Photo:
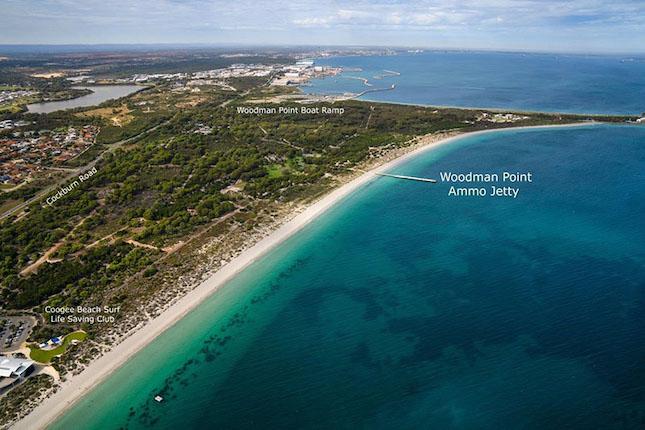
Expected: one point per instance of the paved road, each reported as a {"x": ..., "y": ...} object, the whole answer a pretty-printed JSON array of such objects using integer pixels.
[
  {"x": 111, "y": 148},
  {"x": 75, "y": 172}
]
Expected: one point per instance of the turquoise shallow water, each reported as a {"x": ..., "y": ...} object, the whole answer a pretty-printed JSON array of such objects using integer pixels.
[
  {"x": 405, "y": 308},
  {"x": 531, "y": 82}
]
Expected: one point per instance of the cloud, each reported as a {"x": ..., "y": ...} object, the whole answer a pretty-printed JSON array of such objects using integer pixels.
[
  {"x": 481, "y": 12},
  {"x": 312, "y": 22},
  {"x": 392, "y": 22}
]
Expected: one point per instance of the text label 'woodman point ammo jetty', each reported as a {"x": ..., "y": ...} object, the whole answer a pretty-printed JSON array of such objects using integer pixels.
[{"x": 493, "y": 191}]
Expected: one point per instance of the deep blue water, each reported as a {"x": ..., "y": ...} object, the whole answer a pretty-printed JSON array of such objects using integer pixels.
[
  {"x": 404, "y": 308},
  {"x": 531, "y": 82}
]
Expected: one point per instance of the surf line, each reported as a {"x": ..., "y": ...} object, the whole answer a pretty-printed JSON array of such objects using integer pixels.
[{"x": 410, "y": 178}]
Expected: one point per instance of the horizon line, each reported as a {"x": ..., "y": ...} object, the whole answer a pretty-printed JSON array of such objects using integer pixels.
[{"x": 317, "y": 46}]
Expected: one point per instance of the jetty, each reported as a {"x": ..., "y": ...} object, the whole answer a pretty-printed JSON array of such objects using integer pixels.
[
  {"x": 365, "y": 81},
  {"x": 375, "y": 90},
  {"x": 409, "y": 178},
  {"x": 387, "y": 73}
]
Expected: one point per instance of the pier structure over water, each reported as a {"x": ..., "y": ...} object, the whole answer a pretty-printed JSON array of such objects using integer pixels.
[{"x": 410, "y": 178}]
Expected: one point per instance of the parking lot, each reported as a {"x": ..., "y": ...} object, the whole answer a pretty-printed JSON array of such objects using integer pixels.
[{"x": 14, "y": 330}]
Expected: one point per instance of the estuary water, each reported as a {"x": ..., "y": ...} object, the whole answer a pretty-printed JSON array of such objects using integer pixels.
[
  {"x": 404, "y": 307},
  {"x": 530, "y": 82},
  {"x": 99, "y": 94}
]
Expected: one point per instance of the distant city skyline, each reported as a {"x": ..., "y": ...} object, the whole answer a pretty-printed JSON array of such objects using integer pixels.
[{"x": 592, "y": 26}]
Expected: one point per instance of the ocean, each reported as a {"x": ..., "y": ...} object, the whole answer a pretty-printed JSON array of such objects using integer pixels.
[
  {"x": 590, "y": 84},
  {"x": 404, "y": 307}
]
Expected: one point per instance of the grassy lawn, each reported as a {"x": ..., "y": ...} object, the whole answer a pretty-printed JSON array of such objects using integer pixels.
[
  {"x": 290, "y": 166},
  {"x": 274, "y": 171},
  {"x": 43, "y": 356}
]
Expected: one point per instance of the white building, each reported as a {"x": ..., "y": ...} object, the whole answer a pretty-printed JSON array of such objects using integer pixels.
[
  {"x": 10, "y": 367},
  {"x": 12, "y": 370}
]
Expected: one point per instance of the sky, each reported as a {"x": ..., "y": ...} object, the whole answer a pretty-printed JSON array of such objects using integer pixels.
[{"x": 601, "y": 26}]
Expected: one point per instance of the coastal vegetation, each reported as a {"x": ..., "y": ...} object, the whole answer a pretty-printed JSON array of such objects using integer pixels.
[
  {"x": 179, "y": 172},
  {"x": 153, "y": 192},
  {"x": 24, "y": 397}
]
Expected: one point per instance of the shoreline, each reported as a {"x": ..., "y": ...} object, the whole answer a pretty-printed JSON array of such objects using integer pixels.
[
  {"x": 98, "y": 370},
  {"x": 359, "y": 97},
  {"x": 502, "y": 110},
  {"x": 42, "y": 107},
  {"x": 475, "y": 51}
]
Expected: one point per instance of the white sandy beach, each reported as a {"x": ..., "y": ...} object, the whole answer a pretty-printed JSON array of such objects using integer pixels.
[{"x": 76, "y": 386}]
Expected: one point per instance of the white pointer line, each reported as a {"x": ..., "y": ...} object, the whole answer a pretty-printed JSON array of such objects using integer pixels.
[{"x": 411, "y": 178}]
